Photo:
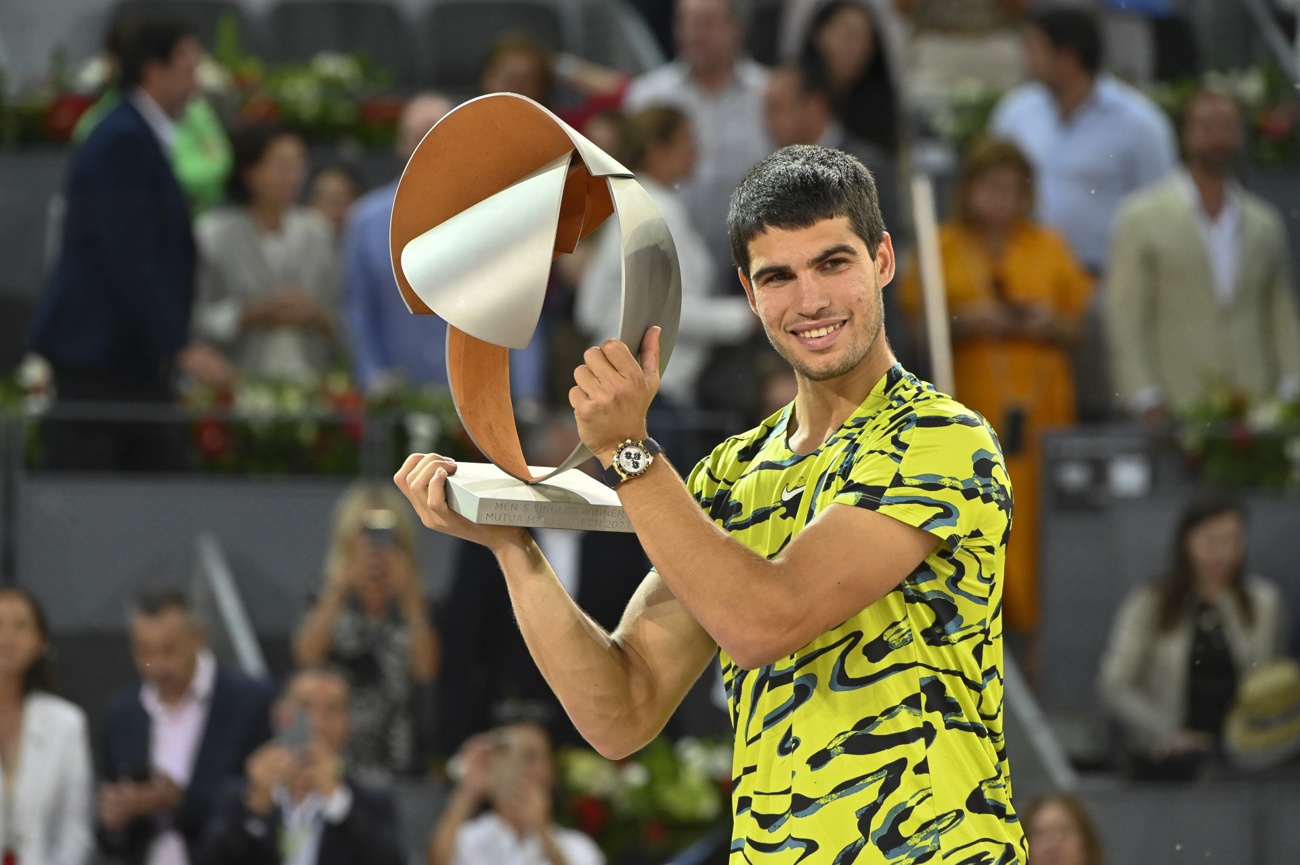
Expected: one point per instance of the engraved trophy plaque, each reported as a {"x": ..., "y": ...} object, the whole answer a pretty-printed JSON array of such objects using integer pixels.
[{"x": 495, "y": 192}]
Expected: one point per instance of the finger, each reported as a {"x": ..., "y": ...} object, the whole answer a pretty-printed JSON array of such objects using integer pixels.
[
  {"x": 408, "y": 466},
  {"x": 598, "y": 361},
  {"x": 437, "y": 499},
  {"x": 578, "y": 399},
  {"x": 587, "y": 381},
  {"x": 620, "y": 357},
  {"x": 650, "y": 351}
]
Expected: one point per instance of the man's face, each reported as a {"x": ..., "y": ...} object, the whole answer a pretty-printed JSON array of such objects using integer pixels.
[
  {"x": 707, "y": 32},
  {"x": 324, "y": 698},
  {"x": 523, "y": 756},
  {"x": 787, "y": 109},
  {"x": 1041, "y": 57},
  {"x": 817, "y": 292},
  {"x": 172, "y": 84},
  {"x": 1212, "y": 132},
  {"x": 166, "y": 650}
]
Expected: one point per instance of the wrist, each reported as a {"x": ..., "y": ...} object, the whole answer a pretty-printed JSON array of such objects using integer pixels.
[
  {"x": 606, "y": 453},
  {"x": 259, "y": 801}
]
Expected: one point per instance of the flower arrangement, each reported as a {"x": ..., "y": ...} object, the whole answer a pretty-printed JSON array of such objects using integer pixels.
[
  {"x": 1269, "y": 102},
  {"x": 964, "y": 118},
  {"x": 652, "y": 804},
  {"x": 1233, "y": 440}
]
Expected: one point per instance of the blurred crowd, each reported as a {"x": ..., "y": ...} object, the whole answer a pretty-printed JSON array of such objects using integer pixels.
[{"x": 1096, "y": 262}]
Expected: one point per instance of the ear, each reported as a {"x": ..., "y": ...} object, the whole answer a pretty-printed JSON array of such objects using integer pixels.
[
  {"x": 749, "y": 289},
  {"x": 886, "y": 263}
]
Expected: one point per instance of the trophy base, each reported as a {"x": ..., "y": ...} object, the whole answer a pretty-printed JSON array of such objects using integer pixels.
[{"x": 485, "y": 495}]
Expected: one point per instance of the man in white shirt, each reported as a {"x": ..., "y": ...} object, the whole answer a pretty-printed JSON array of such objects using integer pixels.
[
  {"x": 173, "y": 741},
  {"x": 1200, "y": 289},
  {"x": 299, "y": 806},
  {"x": 722, "y": 94},
  {"x": 512, "y": 769}
]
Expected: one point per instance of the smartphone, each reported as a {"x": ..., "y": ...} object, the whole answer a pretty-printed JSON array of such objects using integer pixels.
[
  {"x": 292, "y": 729},
  {"x": 380, "y": 527}
]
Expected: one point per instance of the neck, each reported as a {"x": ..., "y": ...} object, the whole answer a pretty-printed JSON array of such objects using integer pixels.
[
  {"x": 822, "y": 407},
  {"x": 269, "y": 216},
  {"x": 714, "y": 75},
  {"x": 11, "y": 695},
  {"x": 1073, "y": 93},
  {"x": 1211, "y": 184}
]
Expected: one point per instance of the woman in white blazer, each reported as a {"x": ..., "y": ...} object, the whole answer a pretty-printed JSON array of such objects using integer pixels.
[
  {"x": 45, "y": 769},
  {"x": 1179, "y": 647}
]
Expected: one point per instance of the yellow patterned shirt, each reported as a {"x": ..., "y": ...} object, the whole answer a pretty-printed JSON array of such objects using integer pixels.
[{"x": 881, "y": 740}]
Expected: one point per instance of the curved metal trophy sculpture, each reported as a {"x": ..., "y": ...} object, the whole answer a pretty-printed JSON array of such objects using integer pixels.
[{"x": 496, "y": 191}]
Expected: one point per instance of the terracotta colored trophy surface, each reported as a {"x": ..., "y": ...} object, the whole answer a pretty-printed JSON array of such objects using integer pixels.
[{"x": 496, "y": 191}]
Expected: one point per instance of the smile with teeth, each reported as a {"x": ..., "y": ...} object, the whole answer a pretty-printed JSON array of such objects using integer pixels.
[{"x": 821, "y": 331}]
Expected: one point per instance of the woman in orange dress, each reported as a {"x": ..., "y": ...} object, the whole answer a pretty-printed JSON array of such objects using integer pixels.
[{"x": 1016, "y": 297}]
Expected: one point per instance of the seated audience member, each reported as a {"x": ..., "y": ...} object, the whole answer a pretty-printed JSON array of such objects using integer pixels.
[
  {"x": 200, "y": 154},
  {"x": 486, "y": 660},
  {"x": 300, "y": 804},
  {"x": 512, "y": 771},
  {"x": 1060, "y": 832},
  {"x": 518, "y": 63},
  {"x": 721, "y": 92},
  {"x": 268, "y": 276},
  {"x": 372, "y": 622},
  {"x": 1178, "y": 648},
  {"x": 958, "y": 42},
  {"x": 659, "y": 147},
  {"x": 171, "y": 743},
  {"x": 332, "y": 192},
  {"x": 1199, "y": 287},
  {"x": 1016, "y": 298},
  {"x": 44, "y": 747},
  {"x": 389, "y": 345},
  {"x": 844, "y": 51}
]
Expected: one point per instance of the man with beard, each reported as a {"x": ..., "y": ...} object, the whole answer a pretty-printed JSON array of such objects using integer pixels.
[
  {"x": 1199, "y": 280},
  {"x": 845, "y": 556}
]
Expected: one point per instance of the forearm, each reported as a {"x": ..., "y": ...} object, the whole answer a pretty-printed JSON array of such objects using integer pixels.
[
  {"x": 425, "y": 652},
  {"x": 312, "y": 645},
  {"x": 550, "y": 849},
  {"x": 442, "y": 844},
  {"x": 603, "y": 684}
]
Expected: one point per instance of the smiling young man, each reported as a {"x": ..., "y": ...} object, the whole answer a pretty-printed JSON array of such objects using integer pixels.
[{"x": 845, "y": 556}]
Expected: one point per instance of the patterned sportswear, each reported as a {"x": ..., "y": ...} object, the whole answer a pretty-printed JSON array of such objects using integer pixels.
[{"x": 881, "y": 740}]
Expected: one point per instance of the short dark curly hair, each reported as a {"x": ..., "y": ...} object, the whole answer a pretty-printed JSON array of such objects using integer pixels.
[{"x": 799, "y": 186}]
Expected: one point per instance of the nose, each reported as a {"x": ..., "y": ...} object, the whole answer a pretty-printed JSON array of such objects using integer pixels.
[{"x": 810, "y": 295}]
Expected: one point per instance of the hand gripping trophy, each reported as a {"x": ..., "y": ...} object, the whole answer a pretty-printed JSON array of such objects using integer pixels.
[{"x": 496, "y": 191}]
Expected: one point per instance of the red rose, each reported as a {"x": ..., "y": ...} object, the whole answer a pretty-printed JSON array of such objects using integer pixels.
[
  {"x": 214, "y": 438},
  {"x": 1240, "y": 437},
  {"x": 382, "y": 111},
  {"x": 1278, "y": 124},
  {"x": 654, "y": 833},
  {"x": 260, "y": 109},
  {"x": 590, "y": 814},
  {"x": 63, "y": 114}
]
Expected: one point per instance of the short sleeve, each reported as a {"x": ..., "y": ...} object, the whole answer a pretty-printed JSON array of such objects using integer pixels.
[{"x": 944, "y": 474}]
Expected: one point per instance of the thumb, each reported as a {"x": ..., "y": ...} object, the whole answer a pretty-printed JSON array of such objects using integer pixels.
[{"x": 650, "y": 352}]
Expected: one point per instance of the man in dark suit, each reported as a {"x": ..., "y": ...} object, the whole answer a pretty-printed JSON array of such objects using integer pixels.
[
  {"x": 298, "y": 806},
  {"x": 171, "y": 743},
  {"x": 114, "y": 321}
]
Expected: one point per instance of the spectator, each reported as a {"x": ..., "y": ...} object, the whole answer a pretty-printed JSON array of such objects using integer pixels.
[
  {"x": 512, "y": 770},
  {"x": 660, "y": 149},
  {"x": 1199, "y": 283},
  {"x": 722, "y": 94},
  {"x": 171, "y": 743},
  {"x": 268, "y": 278},
  {"x": 331, "y": 194},
  {"x": 44, "y": 747},
  {"x": 372, "y": 621},
  {"x": 1060, "y": 832},
  {"x": 300, "y": 804},
  {"x": 1091, "y": 139},
  {"x": 845, "y": 52},
  {"x": 958, "y": 42},
  {"x": 389, "y": 344},
  {"x": 114, "y": 321},
  {"x": 487, "y": 662},
  {"x": 201, "y": 157},
  {"x": 1016, "y": 297},
  {"x": 1178, "y": 648}
]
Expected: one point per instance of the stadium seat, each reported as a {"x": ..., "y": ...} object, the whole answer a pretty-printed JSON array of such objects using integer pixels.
[
  {"x": 298, "y": 30},
  {"x": 204, "y": 17}
]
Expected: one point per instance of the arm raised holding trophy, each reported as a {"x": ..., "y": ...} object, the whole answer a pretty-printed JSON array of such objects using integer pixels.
[{"x": 846, "y": 555}]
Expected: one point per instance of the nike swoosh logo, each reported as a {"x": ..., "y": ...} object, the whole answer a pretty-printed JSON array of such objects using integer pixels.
[{"x": 791, "y": 494}]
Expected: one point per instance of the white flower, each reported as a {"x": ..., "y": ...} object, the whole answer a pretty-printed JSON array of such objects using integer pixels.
[
  {"x": 635, "y": 775},
  {"x": 333, "y": 66},
  {"x": 213, "y": 77},
  {"x": 1266, "y": 416},
  {"x": 423, "y": 430},
  {"x": 1251, "y": 88},
  {"x": 92, "y": 75},
  {"x": 35, "y": 373}
]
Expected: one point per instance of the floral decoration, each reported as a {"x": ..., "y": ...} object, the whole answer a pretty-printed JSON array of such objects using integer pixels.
[{"x": 1233, "y": 440}]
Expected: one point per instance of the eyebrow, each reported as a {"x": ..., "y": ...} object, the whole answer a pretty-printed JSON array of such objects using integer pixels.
[{"x": 840, "y": 249}]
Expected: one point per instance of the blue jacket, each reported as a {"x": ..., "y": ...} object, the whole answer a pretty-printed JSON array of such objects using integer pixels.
[
  {"x": 239, "y": 721},
  {"x": 118, "y": 302}
]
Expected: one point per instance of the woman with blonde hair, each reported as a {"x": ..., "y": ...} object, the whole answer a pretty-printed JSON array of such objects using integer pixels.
[
  {"x": 1061, "y": 832},
  {"x": 372, "y": 621},
  {"x": 1016, "y": 297}
]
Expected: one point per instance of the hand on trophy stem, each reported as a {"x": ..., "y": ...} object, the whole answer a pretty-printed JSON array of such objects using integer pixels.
[
  {"x": 423, "y": 480},
  {"x": 613, "y": 391}
]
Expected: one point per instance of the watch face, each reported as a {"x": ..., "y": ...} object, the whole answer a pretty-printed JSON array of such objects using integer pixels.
[{"x": 632, "y": 459}]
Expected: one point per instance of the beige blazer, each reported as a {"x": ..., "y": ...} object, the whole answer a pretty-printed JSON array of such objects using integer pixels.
[
  {"x": 1166, "y": 328},
  {"x": 1144, "y": 673}
]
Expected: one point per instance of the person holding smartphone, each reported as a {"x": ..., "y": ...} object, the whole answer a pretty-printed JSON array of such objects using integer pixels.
[
  {"x": 372, "y": 621},
  {"x": 300, "y": 805}
]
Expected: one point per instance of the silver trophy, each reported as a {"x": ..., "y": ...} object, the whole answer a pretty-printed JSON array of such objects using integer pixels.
[{"x": 495, "y": 192}]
